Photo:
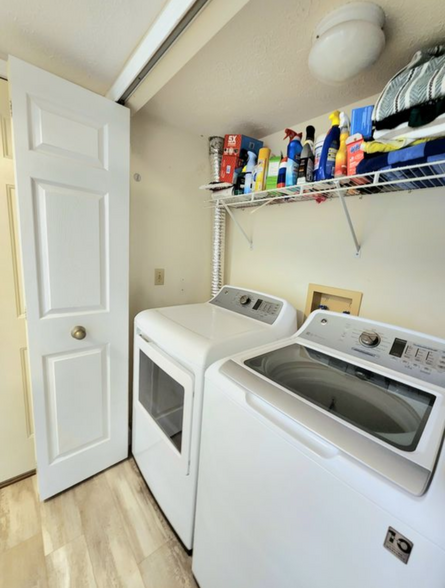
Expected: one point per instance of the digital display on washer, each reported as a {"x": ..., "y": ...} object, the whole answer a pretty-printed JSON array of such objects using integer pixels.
[
  {"x": 398, "y": 347},
  {"x": 257, "y": 304},
  {"x": 387, "y": 409}
]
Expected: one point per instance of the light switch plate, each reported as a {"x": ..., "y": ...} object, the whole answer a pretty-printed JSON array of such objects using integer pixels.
[{"x": 159, "y": 276}]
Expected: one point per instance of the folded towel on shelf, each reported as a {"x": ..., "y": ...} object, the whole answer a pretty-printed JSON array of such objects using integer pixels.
[
  {"x": 429, "y": 151},
  {"x": 419, "y": 82},
  {"x": 435, "y": 129},
  {"x": 417, "y": 116},
  {"x": 383, "y": 146}
]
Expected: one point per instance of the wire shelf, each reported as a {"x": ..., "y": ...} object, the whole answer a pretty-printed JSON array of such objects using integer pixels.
[{"x": 412, "y": 177}]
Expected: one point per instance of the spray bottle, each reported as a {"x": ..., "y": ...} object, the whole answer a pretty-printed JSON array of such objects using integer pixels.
[
  {"x": 281, "y": 180},
  {"x": 329, "y": 150},
  {"x": 306, "y": 167},
  {"x": 251, "y": 161},
  {"x": 293, "y": 156},
  {"x": 341, "y": 157}
]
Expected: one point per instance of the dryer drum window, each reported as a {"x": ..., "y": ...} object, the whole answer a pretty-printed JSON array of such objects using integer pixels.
[
  {"x": 163, "y": 399},
  {"x": 385, "y": 408}
]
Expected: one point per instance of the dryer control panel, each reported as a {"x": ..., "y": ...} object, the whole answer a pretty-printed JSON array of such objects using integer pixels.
[
  {"x": 407, "y": 352},
  {"x": 252, "y": 304}
]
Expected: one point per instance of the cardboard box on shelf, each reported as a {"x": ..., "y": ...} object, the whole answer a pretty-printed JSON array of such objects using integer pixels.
[
  {"x": 231, "y": 166},
  {"x": 234, "y": 144},
  {"x": 235, "y": 155}
]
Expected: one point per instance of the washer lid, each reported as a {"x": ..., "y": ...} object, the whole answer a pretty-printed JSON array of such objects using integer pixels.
[{"x": 391, "y": 426}]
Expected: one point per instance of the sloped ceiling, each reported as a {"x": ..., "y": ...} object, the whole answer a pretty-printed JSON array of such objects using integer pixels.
[
  {"x": 84, "y": 41},
  {"x": 253, "y": 76}
]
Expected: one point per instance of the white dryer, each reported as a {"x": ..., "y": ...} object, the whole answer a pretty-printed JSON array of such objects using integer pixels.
[
  {"x": 173, "y": 347},
  {"x": 322, "y": 463}
]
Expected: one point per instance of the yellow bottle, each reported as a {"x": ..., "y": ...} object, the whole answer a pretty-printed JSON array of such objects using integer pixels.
[
  {"x": 340, "y": 169},
  {"x": 261, "y": 168}
]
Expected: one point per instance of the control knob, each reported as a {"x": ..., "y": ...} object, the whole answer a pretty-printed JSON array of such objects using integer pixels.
[
  {"x": 369, "y": 339},
  {"x": 244, "y": 299}
]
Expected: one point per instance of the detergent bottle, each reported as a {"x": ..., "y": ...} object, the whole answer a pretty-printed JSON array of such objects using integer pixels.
[
  {"x": 281, "y": 180},
  {"x": 306, "y": 167},
  {"x": 251, "y": 161},
  {"x": 293, "y": 156},
  {"x": 329, "y": 150},
  {"x": 341, "y": 157}
]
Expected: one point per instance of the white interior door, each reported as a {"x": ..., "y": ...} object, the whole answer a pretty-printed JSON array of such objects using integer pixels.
[
  {"x": 72, "y": 176},
  {"x": 16, "y": 429}
]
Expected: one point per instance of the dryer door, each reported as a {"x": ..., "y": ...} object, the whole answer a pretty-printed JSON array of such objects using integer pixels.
[{"x": 163, "y": 392}]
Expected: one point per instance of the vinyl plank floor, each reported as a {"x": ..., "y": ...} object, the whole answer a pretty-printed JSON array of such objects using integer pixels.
[
  {"x": 61, "y": 521},
  {"x": 144, "y": 529},
  {"x": 168, "y": 567},
  {"x": 19, "y": 514},
  {"x": 70, "y": 566},
  {"x": 23, "y": 566},
  {"x": 107, "y": 532},
  {"x": 113, "y": 561}
]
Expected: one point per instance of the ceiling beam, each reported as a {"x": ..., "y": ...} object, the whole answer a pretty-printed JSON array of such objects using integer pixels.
[{"x": 212, "y": 18}]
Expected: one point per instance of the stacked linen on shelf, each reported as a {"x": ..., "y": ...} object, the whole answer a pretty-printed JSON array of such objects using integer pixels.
[{"x": 409, "y": 120}]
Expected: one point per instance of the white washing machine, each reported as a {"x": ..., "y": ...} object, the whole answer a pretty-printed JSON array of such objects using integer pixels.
[
  {"x": 322, "y": 463},
  {"x": 173, "y": 347}
]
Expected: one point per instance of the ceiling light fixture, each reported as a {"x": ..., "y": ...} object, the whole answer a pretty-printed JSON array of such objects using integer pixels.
[{"x": 346, "y": 42}]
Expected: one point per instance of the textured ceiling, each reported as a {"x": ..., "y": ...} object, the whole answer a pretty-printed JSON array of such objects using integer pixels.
[
  {"x": 252, "y": 77},
  {"x": 84, "y": 41}
]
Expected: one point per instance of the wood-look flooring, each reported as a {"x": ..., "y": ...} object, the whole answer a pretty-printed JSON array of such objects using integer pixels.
[{"x": 107, "y": 532}]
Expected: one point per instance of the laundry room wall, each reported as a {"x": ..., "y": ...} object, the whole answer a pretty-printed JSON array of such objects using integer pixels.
[
  {"x": 401, "y": 268},
  {"x": 170, "y": 227}
]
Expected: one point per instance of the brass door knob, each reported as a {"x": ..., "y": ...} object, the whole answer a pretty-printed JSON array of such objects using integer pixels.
[{"x": 79, "y": 333}]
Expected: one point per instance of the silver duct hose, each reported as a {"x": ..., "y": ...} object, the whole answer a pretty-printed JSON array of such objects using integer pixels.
[{"x": 216, "y": 145}]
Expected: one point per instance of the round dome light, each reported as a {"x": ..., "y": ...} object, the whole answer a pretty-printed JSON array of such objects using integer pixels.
[{"x": 346, "y": 42}]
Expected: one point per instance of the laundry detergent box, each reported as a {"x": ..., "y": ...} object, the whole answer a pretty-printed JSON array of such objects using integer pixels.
[
  {"x": 234, "y": 144},
  {"x": 235, "y": 155},
  {"x": 361, "y": 121},
  {"x": 231, "y": 167}
]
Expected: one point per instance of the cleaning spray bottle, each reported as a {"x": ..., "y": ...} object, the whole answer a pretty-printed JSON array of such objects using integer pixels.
[
  {"x": 293, "y": 156},
  {"x": 341, "y": 157},
  {"x": 281, "y": 181},
  {"x": 251, "y": 161},
  {"x": 329, "y": 150},
  {"x": 306, "y": 167}
]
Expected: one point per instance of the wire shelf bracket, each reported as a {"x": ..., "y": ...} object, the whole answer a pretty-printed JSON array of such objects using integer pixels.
[
  {"x": 238, "y": 226},
  {"x": 350, "y": 224}
]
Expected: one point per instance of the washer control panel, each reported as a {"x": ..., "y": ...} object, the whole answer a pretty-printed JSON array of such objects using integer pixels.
[
  {"x": 257, "y": 306},
  {"x": 410, "y": 353}
]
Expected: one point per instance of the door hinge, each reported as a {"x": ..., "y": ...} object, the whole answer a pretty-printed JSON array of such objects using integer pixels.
[{"x": 10, "y": 107}]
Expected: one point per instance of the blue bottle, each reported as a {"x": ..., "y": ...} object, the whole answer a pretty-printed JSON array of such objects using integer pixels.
[
  {"x": 294, "y": 150},
  {"x": 329, "y": 150}
]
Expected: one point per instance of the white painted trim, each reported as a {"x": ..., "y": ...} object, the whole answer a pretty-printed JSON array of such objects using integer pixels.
[
  {"x": 3, "y": 69},
  {"x": 206, "y": 25},
  {"x": 168, "y": 19}
]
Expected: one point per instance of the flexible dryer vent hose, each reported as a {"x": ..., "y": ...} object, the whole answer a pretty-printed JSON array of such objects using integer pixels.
[{"x": 216, "y": 145}]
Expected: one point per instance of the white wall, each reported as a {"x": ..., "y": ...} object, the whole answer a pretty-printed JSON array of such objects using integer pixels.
[
  {"x": 401, "y": 271},
  {"x": 170, "y": 226}
]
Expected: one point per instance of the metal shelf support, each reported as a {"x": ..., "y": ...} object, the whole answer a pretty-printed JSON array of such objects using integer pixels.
[
  {"x": 238, "y": 226},
  {"x": 350, "y": 224}
]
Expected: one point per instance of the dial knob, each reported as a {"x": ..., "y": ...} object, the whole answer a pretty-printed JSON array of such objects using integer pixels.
[
  {"x": 244, "y": 299},
  {"x": 369, "y": 339}
]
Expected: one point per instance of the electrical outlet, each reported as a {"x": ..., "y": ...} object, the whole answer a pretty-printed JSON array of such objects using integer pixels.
[{"x": 159, "y": 276}]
